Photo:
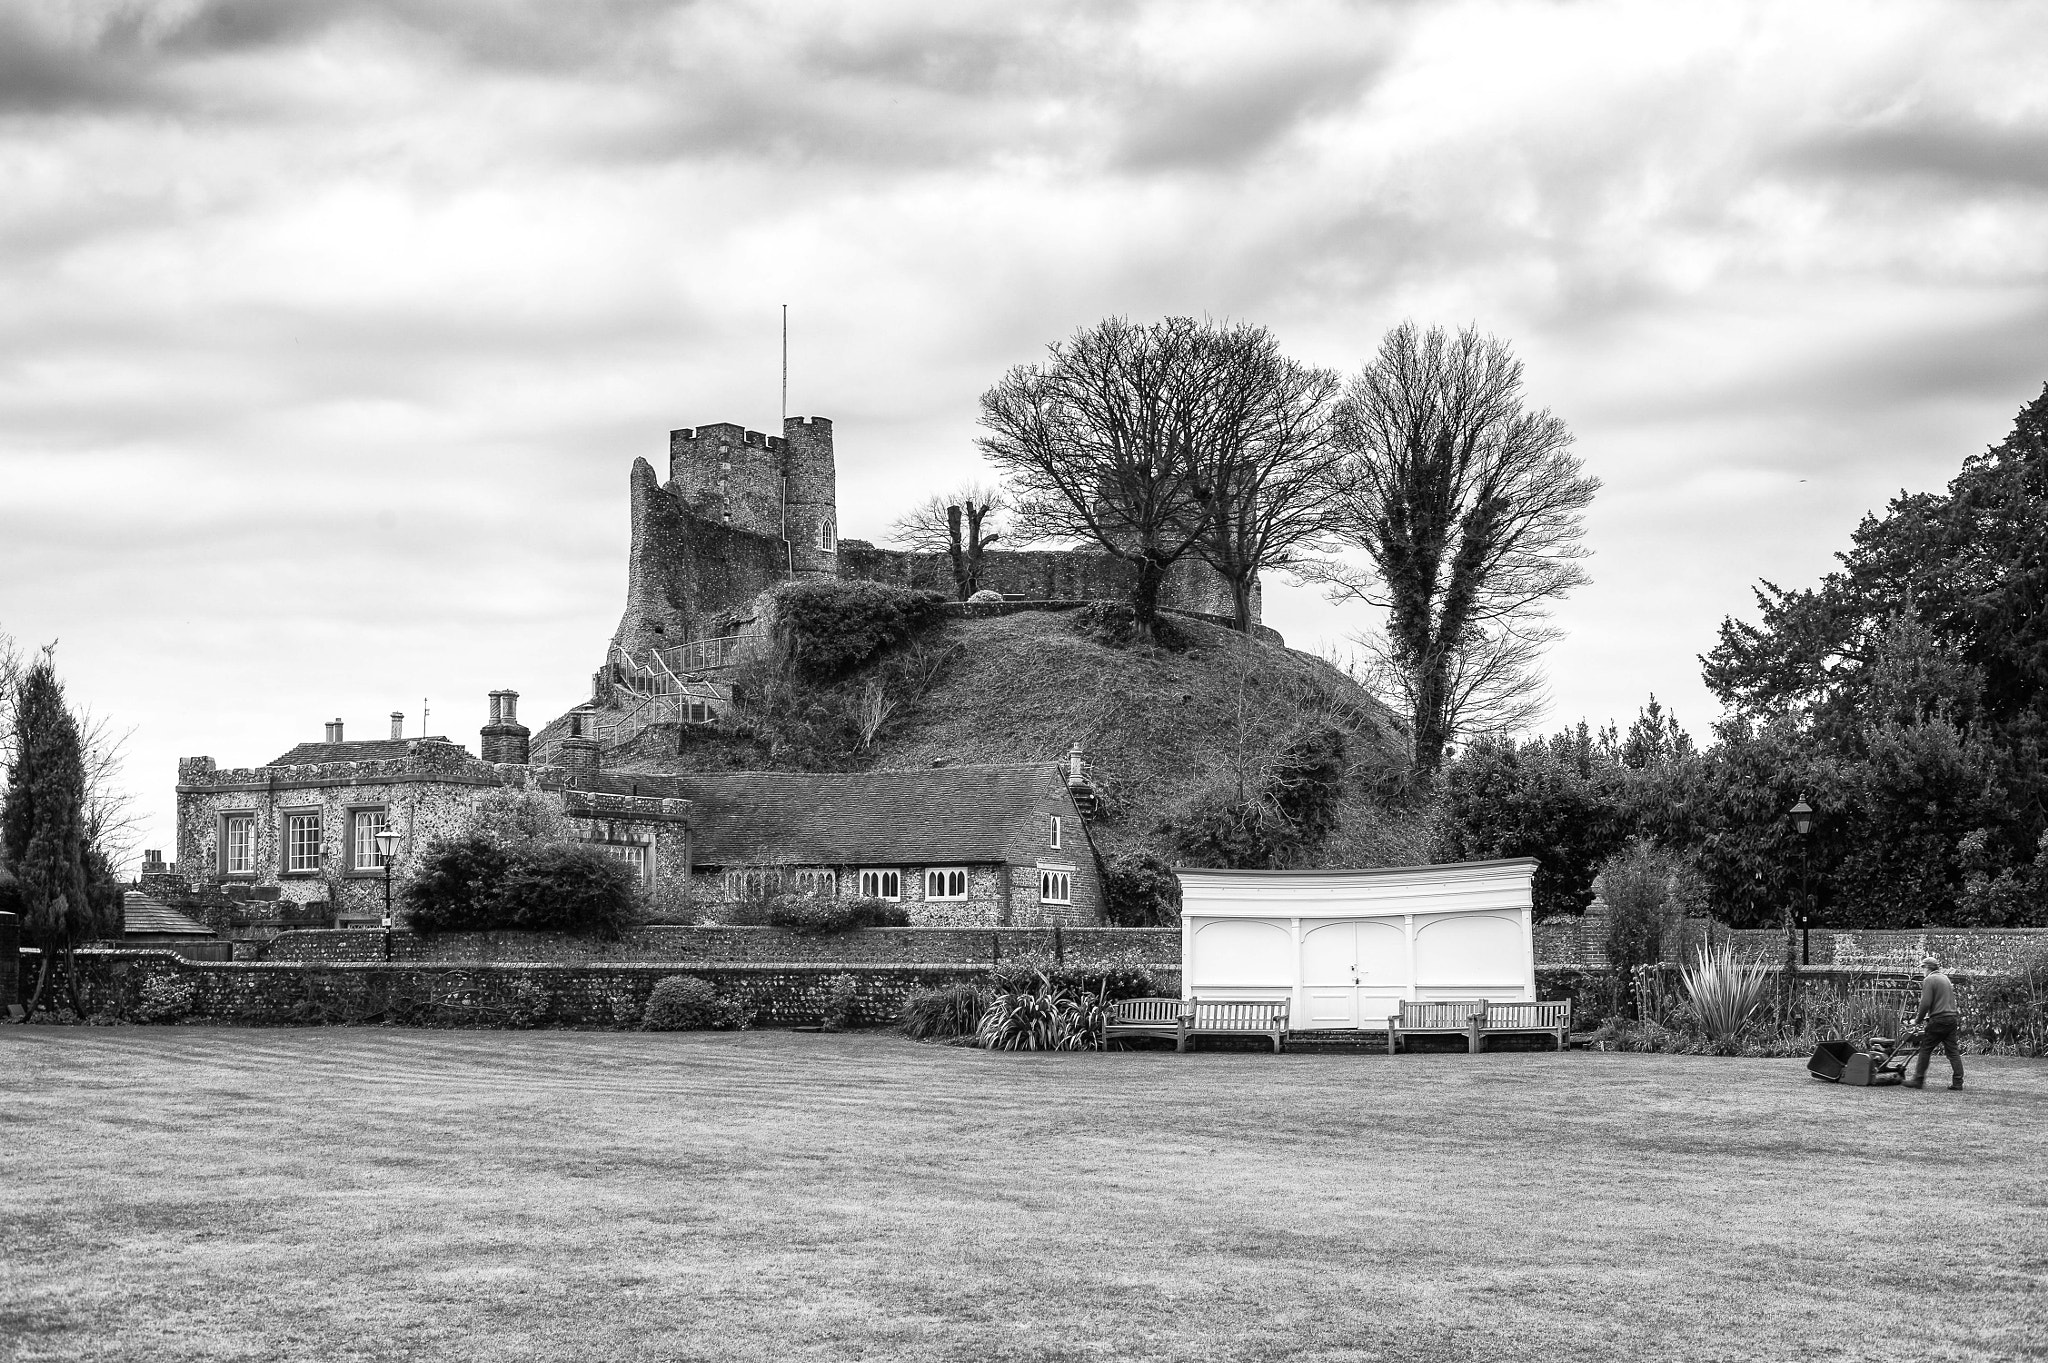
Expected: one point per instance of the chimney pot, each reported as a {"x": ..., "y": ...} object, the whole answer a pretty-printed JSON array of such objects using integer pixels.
[
  {"x": 497, "y": 707},
  {"x": 398, "y": 724},
  {"x": 334, "y": 731},
  {"x": 511, "y": 706}
]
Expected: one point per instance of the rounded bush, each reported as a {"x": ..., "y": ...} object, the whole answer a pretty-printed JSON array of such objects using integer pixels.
[{"x": 686, "y": 1003}]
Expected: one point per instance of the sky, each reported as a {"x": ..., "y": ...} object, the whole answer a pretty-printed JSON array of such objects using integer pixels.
[{"x": 330, "y": 329}]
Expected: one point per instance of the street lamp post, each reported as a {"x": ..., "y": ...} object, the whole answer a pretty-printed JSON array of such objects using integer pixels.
[
  {"x": 1802, "y": 821},
  {"x": 387, "y": 848}
]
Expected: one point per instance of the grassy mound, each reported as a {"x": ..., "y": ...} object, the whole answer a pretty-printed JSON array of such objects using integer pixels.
[{"x": 1159, "y": 727}]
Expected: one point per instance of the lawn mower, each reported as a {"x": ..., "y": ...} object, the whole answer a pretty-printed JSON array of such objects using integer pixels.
[{"x": 1843, "y": 1062}]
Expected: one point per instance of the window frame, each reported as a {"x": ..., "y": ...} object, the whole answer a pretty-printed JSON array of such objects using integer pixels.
[
  {"x": 1055, "y": 831},
  {"x": 767, "y": 880},
  {"x": 1061, "y": 877},
  {"x": 638, "y": 856},
  {"x": 231, "y": 820},
  {"x": 358, "y": 815},
  {"x": 820, "y": 882},
  {"x": 881, "y": 876},
  {"x": 966, "y": 884},
  {"x": 289, "y": 842}
]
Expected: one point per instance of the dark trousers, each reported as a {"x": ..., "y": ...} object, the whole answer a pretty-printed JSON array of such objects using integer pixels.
[{"x": 1940, "y": 1031}]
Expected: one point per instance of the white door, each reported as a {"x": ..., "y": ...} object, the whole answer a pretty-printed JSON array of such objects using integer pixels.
[{"x": 1354, "y": 972}]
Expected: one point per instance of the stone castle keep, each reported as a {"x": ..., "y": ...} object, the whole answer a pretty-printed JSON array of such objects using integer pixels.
[{"x": 743, "y": 511}]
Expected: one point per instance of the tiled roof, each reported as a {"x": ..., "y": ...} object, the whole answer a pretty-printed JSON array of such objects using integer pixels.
[
  {"x": 140, "y": 913},
  {"x": 355, "y": 750},
  {"x": 944, "y": 814}
]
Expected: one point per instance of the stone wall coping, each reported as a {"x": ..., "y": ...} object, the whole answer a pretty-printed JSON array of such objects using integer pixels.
[{"x": 445, "y": 967}]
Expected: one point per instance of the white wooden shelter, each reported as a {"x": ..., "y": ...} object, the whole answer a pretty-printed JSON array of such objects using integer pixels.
[{"x": 1346, "y": 947}]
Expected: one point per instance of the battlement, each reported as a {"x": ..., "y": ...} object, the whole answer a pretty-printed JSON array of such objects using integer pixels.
[{"x": 724, "y": 433}]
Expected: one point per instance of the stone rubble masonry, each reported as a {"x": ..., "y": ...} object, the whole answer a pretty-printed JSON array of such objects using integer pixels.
[
  {"x": 780, "y": 994},
  {"x": 949, "y": 946},
  {"x": 1579, "y": 942}
]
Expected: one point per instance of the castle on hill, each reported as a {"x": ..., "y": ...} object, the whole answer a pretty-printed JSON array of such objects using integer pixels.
[{"x": 743, "y": 511}]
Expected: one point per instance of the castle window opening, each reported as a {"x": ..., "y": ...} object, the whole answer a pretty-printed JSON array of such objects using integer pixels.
[
  {"x": 302, "y": 841},
  {"x": 238, "y": 844},
  {"x": 881, "y": 883},
  {"x": 824, "y": 884},
  {"x": 945, "y": 882},
  {"x": 825, "y": 540},
  {"x": 366, "y": 824},
  {"x": 1055, "y": 887}
]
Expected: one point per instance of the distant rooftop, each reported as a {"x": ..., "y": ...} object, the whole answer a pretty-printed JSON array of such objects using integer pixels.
[
  {"x": 352, "y": 750},
  {"x": 140, "y": 913}
]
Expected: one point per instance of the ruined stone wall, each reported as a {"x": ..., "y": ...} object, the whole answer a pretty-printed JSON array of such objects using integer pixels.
[
  {"x": 689, "y": 575},
  {"x": 1045, "y": 575}
]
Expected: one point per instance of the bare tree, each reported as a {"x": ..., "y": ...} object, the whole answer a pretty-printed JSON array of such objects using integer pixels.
[
  {"x": 1469, "y": 507},
  {"x": 1107, "y": 440},
  {"x": 1491, "y": 683},
  {"x": 961, "y": 524},
  {"x": 1272, "y": 471}
]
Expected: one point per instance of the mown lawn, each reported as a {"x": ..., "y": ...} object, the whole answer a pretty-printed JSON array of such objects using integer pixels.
[{"x": 201, "y": 1193}]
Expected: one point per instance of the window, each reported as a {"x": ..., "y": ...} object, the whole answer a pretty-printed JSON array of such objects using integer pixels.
[
  {"x": 238, "y": 844},
  {"x": 881, "y": 884},
  {"x": 634, "y": 854},
  {"x": 945, "y": 882},
  {"x": 825, "y": 540},
  {"x": 1052, "y": 838},
  {"x": 1055, "y": 887},
  {"x": 822, "y": 883},
  {"x": 302, "y": 841},
  {"x": 750, "y": 884},
  {"x": 367, "y": 823}
]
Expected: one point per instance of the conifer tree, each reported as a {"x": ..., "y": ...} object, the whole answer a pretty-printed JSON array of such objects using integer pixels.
[{"x": 43, "y": 826}]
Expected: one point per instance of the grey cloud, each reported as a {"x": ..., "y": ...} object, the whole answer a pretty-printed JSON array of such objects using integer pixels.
[
  {"x": 1966, "y": 155},
  {"x": 42, "y": 73},
  {"x": 1222, "y": 124}
]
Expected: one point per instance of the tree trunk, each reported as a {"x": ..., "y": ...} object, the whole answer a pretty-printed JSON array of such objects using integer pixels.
[
  {"x": 1430, "y": 735},
  {"x": 42, "y": 978},
  {"x": 1150, "y": 576},
  {"x": 1241, "y": 602}
]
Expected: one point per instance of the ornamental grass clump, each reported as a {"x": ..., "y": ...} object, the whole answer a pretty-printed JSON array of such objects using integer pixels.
[
  {"x": 1045, "y": 1017},
  {"x": 1723, "y": 994},
  {"x": 942, "y": 1014}
]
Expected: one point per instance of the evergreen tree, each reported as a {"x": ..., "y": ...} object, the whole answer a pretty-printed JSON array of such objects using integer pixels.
[{"x": 43, "y": 827}]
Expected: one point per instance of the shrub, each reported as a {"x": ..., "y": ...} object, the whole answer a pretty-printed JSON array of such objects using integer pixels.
[
  {"x": 941, "y": 1014},
  {"x": 1723, "y": 993},
  {"x": 166, "y": 998},
  {"x": 832, "y": 626},
  {"x": 1042, "y": 1019},
  {"x": 1281, "y": 814},
  {"x": 685, "y": 1003},
  {"x": 824, "y": 913},
  {"x": 456, "y": 886},
  {"x": 1113, "y": 976},
  {"x": 842, "y": 1003},
  {"x": 2012, "y": 1010},
  {"x": 1114, "y": 624},
  {"x": 529, "y": 1005},
  {"x": 1140, "y": 890},
  {"x": 568, "y": 888}
]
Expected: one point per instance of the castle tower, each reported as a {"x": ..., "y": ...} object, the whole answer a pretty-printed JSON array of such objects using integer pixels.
[
  {"x": 813, "y": 505},
  {"x": 783, "y": 486}
]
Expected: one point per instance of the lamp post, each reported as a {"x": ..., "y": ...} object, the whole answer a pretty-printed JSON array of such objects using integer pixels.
[
  {"x": 387, "y": 848},
  {"x": 1802, "y": 822}
]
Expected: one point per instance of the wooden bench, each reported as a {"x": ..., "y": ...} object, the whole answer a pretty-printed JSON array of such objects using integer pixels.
[
  {"x": 1439, "y": 1017},
  {"x": 1552, "y": 1019},
  {"x": 1166, "y": 1019},
  {"x": 1238, "y": 1017}
]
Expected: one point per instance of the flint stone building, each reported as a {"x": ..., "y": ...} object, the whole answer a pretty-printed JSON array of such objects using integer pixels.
[{"x": 294, "y": 840}]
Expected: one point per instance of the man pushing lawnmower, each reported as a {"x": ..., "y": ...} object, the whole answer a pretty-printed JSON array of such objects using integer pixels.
[
  {"x": 1884, "y": 1062},
  {"x": 1938, "y": 1013}
]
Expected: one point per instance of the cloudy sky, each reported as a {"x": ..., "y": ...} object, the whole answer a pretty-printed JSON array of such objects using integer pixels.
[{"x": 330, "y": 328}]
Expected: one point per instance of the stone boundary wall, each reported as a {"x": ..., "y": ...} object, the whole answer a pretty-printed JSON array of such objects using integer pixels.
[
  {"x": 780, "y": 994},
  {"x": 1159, "y": 947},
  {"x": 1568, "y": 943}
]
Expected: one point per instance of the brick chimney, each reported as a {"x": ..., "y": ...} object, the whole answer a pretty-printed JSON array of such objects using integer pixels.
[
  {"x": 579, "y": 753},
  {"x": 505, "y": 739},
  {"x": 334, "y": 731},
  {"x": 398, "y": 724}
]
